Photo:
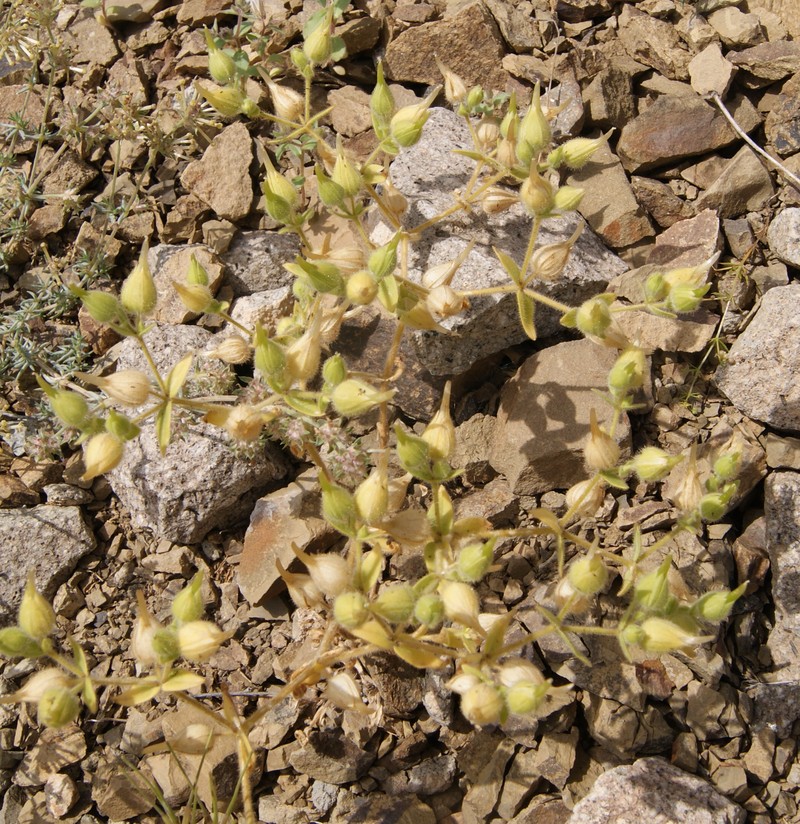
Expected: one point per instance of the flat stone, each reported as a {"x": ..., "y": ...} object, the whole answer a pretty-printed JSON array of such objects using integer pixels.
[
  {"x": 688, "y": 242},
  {"x": 783, "y": 452},
  {"x": 659, "y": 201},
  {"x": 255, "y": 261},
  {"x": 744, "y": 185},
  {"x": 710, "y": 73},
  {"x": 360, "y": 34},
  {"x": 425, "y": 174},
  {"x": 14, "y": 100},
  {"x": 469, "y": 43},
  {"x": 609, "y": 98},
  {"x": 171, "y": 494},
  {"x": 783, "y": 236},
  {"x": 332, "y": 757},
  {"x": 652, "y": 789},
  {"x": 286, "y": 516},
  {"x": 351, "y": 113},
  {"x": 609, "y": 204},
  {"x": 133, "y": 11},
  {"x": 201, "y": 12},
  {"x": 170, "y": 264},
  {"x": 653, "y": 42},
  {"x": 89, "y": 41},
  {"x": 673, "y": 128},
  {"x": 50, "y": 540},
  {"x": 578, "y": 11},
  {"x": 735, "y": 28},
  {"x": 768, "y": 62},
  {"x": 517, "y": 26},
  {"x": 759, "y": 375},
  {"x": 786, "y": 11},
  {"x": 221, "y": 178},
  {"x": 782, "y": 125},
  {"x": 542, "y": 423}
]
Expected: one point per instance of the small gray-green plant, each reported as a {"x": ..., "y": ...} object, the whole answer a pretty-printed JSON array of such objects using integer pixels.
[{"x": 296, "y": 391}]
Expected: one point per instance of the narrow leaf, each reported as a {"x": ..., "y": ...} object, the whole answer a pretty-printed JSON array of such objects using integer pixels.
[
  {"x": 508, "y": 264},
  {"x": 178, "y": 374},
  {"x": 526, "y": 307},
  {"x": 164, "y": 425}
]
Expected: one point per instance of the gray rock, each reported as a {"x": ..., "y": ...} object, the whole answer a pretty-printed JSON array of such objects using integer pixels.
[
  {"x": 50, "y": 540},
  {"x": 426, "y": 174},
  {"x": 782, "y": 125},
  {"x": 769, "y": 61},
  {"x": 783, "y": 236},
  {"x": 170, "y": 264},
  {"x": 653, "y": 790},
  {"x": 659, "y": 201},
  {"x": 255, "y": 261},
  {"x": 543, "y": 417},
  {"x": 332, "y": 757},
  {"x": 201, "y": 482},
  {"x": 760, "y": 374}
]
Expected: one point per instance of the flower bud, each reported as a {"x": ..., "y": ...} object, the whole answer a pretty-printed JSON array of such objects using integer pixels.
[
  {"x": 689, "y": 491},
  {"x": 187, "y": 605},
  {"x": 460, "y": 602},
  {"x": 395, "y": 603},
  {"x": 144, "y": 630},
  {"x": 488, "y": 133},
  {"x": 717, "y": 606},
  {"x": 343, "y": 692},
  {"x": 220, "y": 65},
  {"x": 57, "y": 707},
  {"x": 103, "y": 307},
  {"x": 690, "y": 275},
  {"x": 138, "y": 293},
  {"x": 713, "y": 506},
  {"x": 685, "y": 298},
  {"x": 345, "y": 173},
  {"x": 50, "y": 678},
  {"x": 199, "y": 640},
  {"x": 588, "y": 574},
  {"x": 627, "y": 373},
  {"x": 350, "y": 609},
  {"x": 276, "y": 184},
  {"x": 393, "y": 200},
  {"x": 726, "y": 467},
  {"x": 445, "y": 302},
  {"x": 164, "y": 644},
  {"x": 244, "y": 423},
  {"x": 537, "y": 194},
  {"x": 338, "y": 508},
  {"x": 302, "y": 589},
  {"x": 663, "y": 635},
  {"x": 361, "y": 288},
  {"x": 372, "y": 496},
  {"x": 600, "y": 450},
  {"x": 483, "y": 704},
  {"x": 383, "y": 260},
  {"x": 369, "y": 569},
  {"x": 514, "y": 670},
  {"x": 14, "y": 643},
  {"x": 593, "y": 316},
  {"x": 526, "y": 696},
  {"x": 474, "y": 97},
  {"x": 330, "y": 572},
  {"x": 286, "y": 103},
  {"x": 229, "y": 101},
  {"x": 121, "y": 426},
  {"x": 234, "y": 349},
  {"x": 568, "y": 198},
  {"x": 577, "y": 152},
  {"x": 429, "y": 610},
  {"x": 440, "y": 433},
  {"x": 36, "y": 616},
  {"x": 585, "y": 497},
  {"x": 653, "y": 464},
  {"x": 354, "y": 397},
  {"x": 568, "y": 598},
  {"x": 412, "y": 452},
  {"x": 656, "y": 288},
  {"x": 318, "y": 45},
  {"x": 70, "y": 407},
  {"x": 496, "y": 199},
  {"x": 347, "y": 259},
  {"x": 101, "y": 453},
  {"x": 474, "y": 561},
  {"x": 128, "y": 386},
  {"x": 534, "y": 130},
  {"x": 194, "y": 296},
  {"x": 652, "y": 590},
  {"x": 303, "y": 356},
  {"x": 455, "y": 90},
  {"x": 406, "y": 125},
  {"x": 548, "y": 261},
  {"x": 330, "y": 192},
  {"x": 381, "y": 104},
  {"x": 334, "y": 370},
  {"x": 269, "y": 358},
  {"x": 507, "y": 152}
]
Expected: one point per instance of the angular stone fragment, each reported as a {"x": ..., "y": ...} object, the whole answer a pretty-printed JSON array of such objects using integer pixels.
[
  {"x": 744, "y": 185},
  {"x": 517, "y": 26},
  {"x": 608, "y": 203},
  {"x": 50, "y": 540},
  {"x": 735, "y": 28},
  {"x": 760, "y": 373},
  {"x": 255, "y": 261},
  {"x": 710, "y": 72},
  {"x": 782, "y": 125},
  {"x": 659, "y": 201},
  {"x": 89, "y": 41},
  {"x": 676, "y": 127},
  {"x": 469, "y": 43},
  {"x": 688, "y": 242},
  {"x": 653, "y": 790},
  {"x": 27, "y": 104},
  {"x": 609, "y": 98},
  {"x": 351, "y": 113},
  {"x": 221, "y": 178},
  {"x": 200, "y": 482},
  {"x": 426, "y": 174},
  {"x": 331, "y": 756},
  {"x": 768, "y": 62},
  {"x": 543, "y": 418},
  {"x": 653, "y": 42}
]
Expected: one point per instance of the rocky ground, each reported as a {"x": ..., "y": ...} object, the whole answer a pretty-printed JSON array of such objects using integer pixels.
[{"x": 706, "y": 738}]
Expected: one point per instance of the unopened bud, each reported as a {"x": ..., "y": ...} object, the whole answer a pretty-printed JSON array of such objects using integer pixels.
[
  {"x": 144, "y": 630},
  {"x": 406, "y": 125},
  {"x": 548, "y": 261},
  {"x": 50, "y": 678},
  {"x": 303, "y": 356},
  {"x": 354, "y": 397},
  {"x": 653, "y": 464},
  {"x": 726, "y": 467},
  {"x": 229, "y": 101},
  {"x": 685, "y": 298},
  {"x": 663, "y": 635},
  {"x": 627, "y": 373},
  {"x": 483, "y": 704},
  {"x": 383, "y": 260},
  {"x": 372, "y": 496},
  {"x": 395, "y": 603},
  {"x": 343, "y": 692},
  {"x": 585, "y": 497},
  {"x": 318, "y": 46},
  {"x": 568, "y": 198},
  {"x": 138, "y": 293},
  {"x": 656, "y": 288},
  {"x": 445, "y": 302},
  {"x": 474, "y": 561},
  {"x": 234, "y": 349},
  {"x": 57, "y": 707},
  {"x": 269, "y": 359},
  {"x": 350, "y": 610},
  {"x": 690, "y": 275},
  {"x": 102, "y": 306},
  {"x": 488, "y": 133},
  {"x": 345, "y": 173},
  {"x": 394, "y": 200},
  {"x": 514, "y": 670},
  {"x": 244, "y": 423},
  {"x": 330, "y": 192},
  {"x": 537, "y": 194},
  {"x": 588, "y": 574},
  {"x": 339, "y": 510},
  {"x": 460, "y": 602},
  {"x": 577, "y": 152},
  {"x": 101, "y": 453},
  {"x": 14, "y": 643},
  {"x": 496, "y": 200},
  {"x": 717, "y": 606},
  {"x": 164, "y": 644},
  {"x": 474, "y": 97},
  {"x": 187, "y": 605},
  {"x": 600, "y": 450},
  {"x": 330, "y": 572},
  {"x": 429, "y": 610},
  {"x": 194, "y": 296},
  {"x": 713, "y": 506},
  {"x": 221, "y": 66},
  {"x": 455, "y": 89},
  {"x": 286, "y": 103},
  {"x": 593, "y": 316},
  {"x": 361, "y": 288},
  {"x": 36, "y": 616},
  {"x": 652, "y": 590},
  {"x": 689, "y": 491},
  {"x": 534, "y": 130},
  {"x": 412, "y": 452},
  {"x": 128, "y": 386},
  {"x": 381, "y": 104},
  {"x": 440, "y": 433},
  {"x": 199, "y": 640},
  {"x": 526, "y": 697},
  {"x": 70, "y": 407},
  {"x": 334, "y": 370}
]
